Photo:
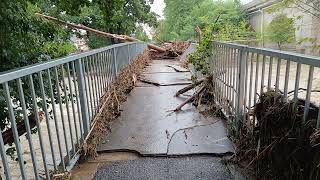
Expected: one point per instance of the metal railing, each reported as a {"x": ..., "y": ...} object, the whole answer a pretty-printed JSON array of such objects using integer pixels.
[
  {"x": 57, "y": 99},
  {"x": 242, "y": 73}
]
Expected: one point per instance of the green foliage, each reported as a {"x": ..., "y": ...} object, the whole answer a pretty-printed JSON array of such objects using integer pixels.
[
  {"x": 281, "y": 30},
  {"x": 183, "y": 18},
  {"x": 204, "y": 49},
  {"x": 219, "y": 20}
]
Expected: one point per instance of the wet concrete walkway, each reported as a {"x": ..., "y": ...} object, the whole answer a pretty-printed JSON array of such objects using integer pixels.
[{"x": 148, "y": 126}]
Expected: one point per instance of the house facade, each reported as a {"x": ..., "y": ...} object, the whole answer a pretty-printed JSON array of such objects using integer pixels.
[{"x": 307, "y": 27}]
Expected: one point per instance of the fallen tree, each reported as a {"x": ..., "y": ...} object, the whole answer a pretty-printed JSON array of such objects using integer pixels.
[{"x": 123, "y": 38}]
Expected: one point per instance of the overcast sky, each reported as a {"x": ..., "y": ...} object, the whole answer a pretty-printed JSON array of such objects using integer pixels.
[{"x": 159, "y": 5}]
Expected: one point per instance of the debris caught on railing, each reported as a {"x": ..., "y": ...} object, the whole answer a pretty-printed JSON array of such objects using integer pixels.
[
  {"x": 111, "y": 108},
  {"x": 282, "y": 144}
]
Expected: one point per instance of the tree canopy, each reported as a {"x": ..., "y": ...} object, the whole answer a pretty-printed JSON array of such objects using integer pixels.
[
  {"x": 182, "y": 19},
  {"x": 281, "y": 30}
]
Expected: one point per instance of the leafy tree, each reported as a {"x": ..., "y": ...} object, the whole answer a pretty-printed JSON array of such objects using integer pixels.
[
  {"x": 116, "y": 16},
  {"x": 281, "y": 30},
  {"x": 230, "y": 25}
]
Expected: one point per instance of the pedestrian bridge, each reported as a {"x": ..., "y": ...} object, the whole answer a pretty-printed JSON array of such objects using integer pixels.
[{"x": 64, "y": 100}]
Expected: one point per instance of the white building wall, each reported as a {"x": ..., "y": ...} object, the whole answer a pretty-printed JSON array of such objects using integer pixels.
[{"x": 306, "y": 27}]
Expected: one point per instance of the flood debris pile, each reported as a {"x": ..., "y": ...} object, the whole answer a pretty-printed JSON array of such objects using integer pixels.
[
  {"x": 173, "y": 50},
  {"x": 281, "y": 145},
  {"x": 110, "y": 108}
]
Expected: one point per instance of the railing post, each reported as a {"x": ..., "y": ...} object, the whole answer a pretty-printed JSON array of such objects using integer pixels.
[
  {"x": 241, "y": 87},
  {"x": 82, "y": 97},
  {"x": 115, "y": 62}
]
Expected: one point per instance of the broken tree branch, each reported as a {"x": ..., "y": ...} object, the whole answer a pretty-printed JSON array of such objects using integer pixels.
[
  {"x": 189, "y": 87},
  {"x": 190, "y": 99},
  {"x": 123, "y": 38}
]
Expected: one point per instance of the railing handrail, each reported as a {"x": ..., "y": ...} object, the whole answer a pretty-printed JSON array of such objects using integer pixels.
[
  {"x": 33, "y": 68},
  {"x": 296, "y": 57}
]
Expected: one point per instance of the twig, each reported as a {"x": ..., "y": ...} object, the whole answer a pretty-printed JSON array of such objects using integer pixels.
[{"x": 265, "y": 149}]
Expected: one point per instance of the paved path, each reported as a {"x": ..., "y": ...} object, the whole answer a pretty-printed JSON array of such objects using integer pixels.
[
  {"x": 161, "y": 168},
  {"x": 149, "y": 127}
]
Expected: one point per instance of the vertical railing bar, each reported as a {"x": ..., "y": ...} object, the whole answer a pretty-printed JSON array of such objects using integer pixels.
[
  {"x": 97, "y": 84},
  {"x": 286, "y": 81},
  {"x": 237, "y": 80},
  {"x": 107, "y": 64},
  {"x": 98, "y": 57},
  {"x": 241, "y": 79},
  {"x": 104, "y": 74},
  {"x": 72, "y": 104},
  {"x": 270, "y": 72},
  {"x": 44, "y": 99},
  {"x": 222, "y": 76},
  {"x": 54, "y": 112},
  {"x": 251, "y": 77},
  {"x": 296, "y": 86},
  {"x": 278, "y": 74},
  {"x": 246, "y": 108},
  {"x": 4, "y": 158},
  {"x": 89, "y": 94},
  {"x": 93, "y": 83},
  {"x": 234, "y": 78},
  {"x": 216, "y": 71},
  {"x": 86, "y": 77},
  {"x": 228, "y": 79},
  {"x": 225, "y": 79},
  {"x": 220, "y": 73},
  {"x": 128, "y": 48},
  {"x": 263, "y": 73},
  {"x": 67, "y": 106},
  {"x": 36, "y": 114},
  {"x": 14, "y": 130},
  {"x": 115, "y": 70},
  {"x": 307, "y": 102},
  {"x": 26, "y": 122},
  {"x": 256, "y": 80},
  {"x": 61, "y": 114},
  {"x": 77, "y": 99},
  {"x": 106, "y": 70},
  {"x": 101, "y": 72},
  {"x": 83, "y": 97}
]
